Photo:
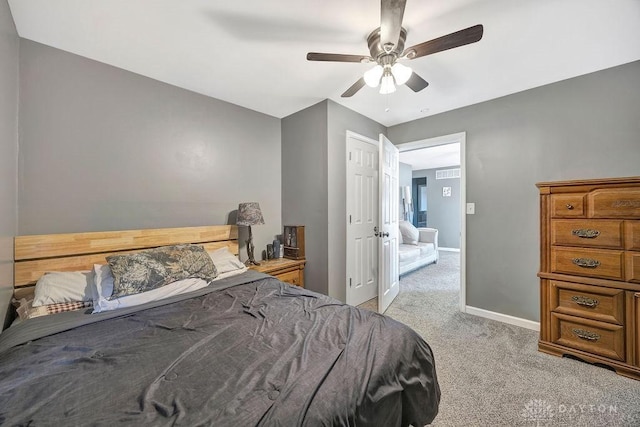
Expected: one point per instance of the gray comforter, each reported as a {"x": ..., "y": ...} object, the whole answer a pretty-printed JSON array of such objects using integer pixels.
[{"x": 232, "y": 354}]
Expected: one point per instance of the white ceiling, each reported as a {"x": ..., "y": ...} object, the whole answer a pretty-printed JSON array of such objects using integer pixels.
[
  {"x": 439, "y": 156},
  {"x": 253, "y": 52}
]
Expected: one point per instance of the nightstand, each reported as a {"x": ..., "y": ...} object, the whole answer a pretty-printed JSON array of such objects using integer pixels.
[{"x": 288, "y": 270}]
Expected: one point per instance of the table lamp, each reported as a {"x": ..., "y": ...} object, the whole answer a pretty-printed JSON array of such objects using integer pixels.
[{"x": 249, "y": 214}]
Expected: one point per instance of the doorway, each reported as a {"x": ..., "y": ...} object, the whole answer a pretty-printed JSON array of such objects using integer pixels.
[
  {"x": 362, "y": 209},
  {"x": 443, "y": 141},
  {"x": 419, "y": 193},
  {"x": 372, "y": 191}
]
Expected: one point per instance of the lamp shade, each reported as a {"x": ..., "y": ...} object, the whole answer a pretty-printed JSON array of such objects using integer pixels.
[
  {"x": 401, "y": 73},
  {"x": 386, "y": 84},
  {"x": 372, "y": 77},
  {"x": 249, "y": 214}
]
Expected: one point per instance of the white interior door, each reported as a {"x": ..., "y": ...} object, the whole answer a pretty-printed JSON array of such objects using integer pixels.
[
  {"x": 388, "y": 279},
  {"x": 362, "y": 212}
]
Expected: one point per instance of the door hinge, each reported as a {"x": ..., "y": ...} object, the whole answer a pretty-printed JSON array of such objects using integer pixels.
[
  {"x": 349, "y": 219},
  {"x": 349, "y": 155},
  {"x": 349, "y": 281}
]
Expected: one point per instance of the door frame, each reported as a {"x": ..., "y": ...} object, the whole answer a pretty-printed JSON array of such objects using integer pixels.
[
  {"x": 351, "y": 134},
  {"x": 460, "y": 137}
]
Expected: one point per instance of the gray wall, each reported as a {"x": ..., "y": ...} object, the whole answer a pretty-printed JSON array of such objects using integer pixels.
[
  {"x": 314, "y": 187},
  {"x": 404, "y": 180},
  {"x": 443, "y": 213},
  {"x": 106, "y": 149},
  {"x": 341, "y": 119},
  {"x": 304, "y": 186},
  {"x": 585, "y": 127},
  {"x": 9, "y": 48}
]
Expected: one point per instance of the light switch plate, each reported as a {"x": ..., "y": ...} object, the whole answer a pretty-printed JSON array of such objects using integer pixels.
[{"x": 471, "y": 208}]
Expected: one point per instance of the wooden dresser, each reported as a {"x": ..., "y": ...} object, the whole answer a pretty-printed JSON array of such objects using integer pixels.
[
  {"x": 288, "y": 270},
  {"x": 590, "y": 271}
]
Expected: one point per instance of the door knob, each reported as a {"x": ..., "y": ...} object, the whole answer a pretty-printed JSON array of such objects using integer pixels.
[{"x": 381, "y": 233}]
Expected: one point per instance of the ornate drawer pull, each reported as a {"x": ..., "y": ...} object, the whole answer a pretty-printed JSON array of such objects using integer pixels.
[
  {"x": 569, "y": 206},
  {"x": 586, "y": 233},
  {"x": 586, "y": 262},
  {"x": 585, "y": 301},
  {"x": 586, "y": 335}
]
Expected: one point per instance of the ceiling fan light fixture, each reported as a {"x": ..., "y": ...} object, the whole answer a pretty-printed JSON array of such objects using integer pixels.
[
  {"x": 387, "y": 45},
  {"x": 401, "y": 73},
  {"x": 386, "y": 84},
  {"x": 372, "y": 77}
]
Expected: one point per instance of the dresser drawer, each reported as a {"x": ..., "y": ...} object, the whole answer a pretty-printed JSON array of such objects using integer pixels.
[
  {"x": 605, "y": 263},
  {"x": 593, "y": 302},
  {"x": 291, "y": 277},
  {"x": 287, "y": 270},
  {"x": 568, "y": 205},
  {"x": 632, "y": 235},
  {"x": 587, "y": 335},
  {"x": 587, "y": 232},
  {"x": 614, "y": 203}
]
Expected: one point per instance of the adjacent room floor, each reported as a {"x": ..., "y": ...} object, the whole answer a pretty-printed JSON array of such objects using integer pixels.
[{"x": 491, "y": 373}]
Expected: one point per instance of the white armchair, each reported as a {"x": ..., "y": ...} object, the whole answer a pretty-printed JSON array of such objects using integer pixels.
[{"x": 418, "y": 247}]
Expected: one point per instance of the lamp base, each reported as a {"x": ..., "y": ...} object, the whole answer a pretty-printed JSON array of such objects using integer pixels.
[{"x": 250, "y": 249}]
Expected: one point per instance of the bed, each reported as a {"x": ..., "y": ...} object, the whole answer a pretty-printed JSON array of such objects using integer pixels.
[{"x": 245, "y": 350}]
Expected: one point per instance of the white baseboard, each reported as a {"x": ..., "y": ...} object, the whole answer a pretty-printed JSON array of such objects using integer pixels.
[
  {"x": 449, "y": 249},
  {"x": 504, "y": 318}
]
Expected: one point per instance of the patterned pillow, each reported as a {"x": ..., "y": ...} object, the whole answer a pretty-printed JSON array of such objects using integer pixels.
[
  {"x": 26, "y": 310},
  {"x": 153, "y": 268}
]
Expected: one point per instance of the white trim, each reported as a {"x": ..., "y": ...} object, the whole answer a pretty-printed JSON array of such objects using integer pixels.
[
  {"x": 461, "y": 138},
  {"x": 504, "y": 318},
  {"x": 440, "y": 248},
  {"x": 351, "y": 134},
  {"x": 463, "y": 222},
  {"x": 432, "y": 142}
]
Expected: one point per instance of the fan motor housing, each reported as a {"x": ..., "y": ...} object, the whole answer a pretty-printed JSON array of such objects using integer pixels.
[{"x": 377, "y": 50}]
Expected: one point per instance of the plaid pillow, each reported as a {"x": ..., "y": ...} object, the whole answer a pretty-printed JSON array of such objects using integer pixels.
[
  {"x": 26, "y": 310},
  {"x": 68, "y": 306}
]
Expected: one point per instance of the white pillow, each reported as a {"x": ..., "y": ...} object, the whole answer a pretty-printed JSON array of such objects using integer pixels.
[
  {"x": 104, "y": 288},
  {"x": 226, "y": 263},
  {"x": 410, "y": 234},
  {"x": 63, "y": 286},
  {"x": 230, "y": 273}
]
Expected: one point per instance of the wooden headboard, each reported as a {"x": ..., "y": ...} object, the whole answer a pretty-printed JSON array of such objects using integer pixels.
[{"x": 36, "y": 255}]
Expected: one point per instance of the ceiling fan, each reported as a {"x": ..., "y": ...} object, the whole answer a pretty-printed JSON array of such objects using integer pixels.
[{"x": 386, "y": 46}]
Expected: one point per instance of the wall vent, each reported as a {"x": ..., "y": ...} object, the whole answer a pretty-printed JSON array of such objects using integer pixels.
[{"x": 448, "y": 173}]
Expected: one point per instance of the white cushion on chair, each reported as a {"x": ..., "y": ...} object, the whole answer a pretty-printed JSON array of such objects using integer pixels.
[{"x": 410, "y": 234}]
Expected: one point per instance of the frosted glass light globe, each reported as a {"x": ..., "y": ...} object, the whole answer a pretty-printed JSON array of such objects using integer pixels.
[
  {"x": 386, "y": 85},
  {"x": 372, "y": 77},
  {"x": 401, "y": 73}
]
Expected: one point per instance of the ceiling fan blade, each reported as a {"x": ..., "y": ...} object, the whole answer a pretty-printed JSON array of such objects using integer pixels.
[
  {"x": 354, "y": 88},
  {"x": 416, "y": 83},
  {"x": 336, "y": 57},
  {"x": 459, "y": 38},
  {"x": 391, "y": 13}
]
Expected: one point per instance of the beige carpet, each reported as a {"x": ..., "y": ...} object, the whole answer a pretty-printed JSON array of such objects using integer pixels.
[{"x": 491, "y": 373}]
